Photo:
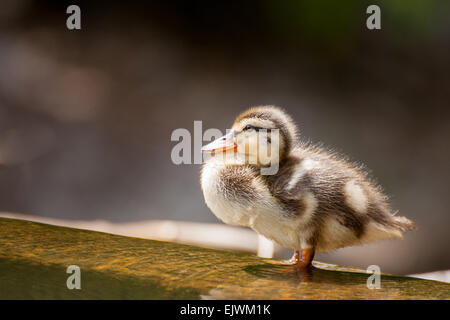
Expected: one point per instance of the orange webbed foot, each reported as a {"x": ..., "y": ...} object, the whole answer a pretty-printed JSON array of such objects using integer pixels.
[
  {"x": 295, "y": 258},
  {"x": 302, "y": 259}
]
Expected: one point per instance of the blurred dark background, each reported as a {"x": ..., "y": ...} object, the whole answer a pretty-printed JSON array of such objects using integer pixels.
[{"x": 86, "y": 116}]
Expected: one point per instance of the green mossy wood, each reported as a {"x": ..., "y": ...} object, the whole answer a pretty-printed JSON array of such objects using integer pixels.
[{"x": 34, "y": 258}]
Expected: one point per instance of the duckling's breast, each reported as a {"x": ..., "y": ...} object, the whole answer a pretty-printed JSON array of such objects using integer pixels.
[
  {"x": 228, "y": 191},
  {"x": 238, "y": 195}
]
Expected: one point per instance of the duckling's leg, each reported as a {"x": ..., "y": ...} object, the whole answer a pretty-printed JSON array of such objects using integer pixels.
[{"x": 306, "y": 258}]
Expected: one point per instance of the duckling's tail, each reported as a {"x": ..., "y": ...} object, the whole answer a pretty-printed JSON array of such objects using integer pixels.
[{"x": 403, "y": 223}]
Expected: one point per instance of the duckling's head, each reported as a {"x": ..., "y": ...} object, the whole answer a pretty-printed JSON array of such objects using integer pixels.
[{"x": 260, "y": 135}]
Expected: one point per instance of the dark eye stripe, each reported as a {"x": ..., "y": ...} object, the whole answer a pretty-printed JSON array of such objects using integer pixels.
[{"x": 249, "y": 126}]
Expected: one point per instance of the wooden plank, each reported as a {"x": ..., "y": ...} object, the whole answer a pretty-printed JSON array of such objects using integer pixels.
[{"x": 34, "y": 258}]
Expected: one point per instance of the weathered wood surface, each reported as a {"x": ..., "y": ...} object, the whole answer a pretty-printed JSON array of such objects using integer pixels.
[{"x": 34, "y": 258}]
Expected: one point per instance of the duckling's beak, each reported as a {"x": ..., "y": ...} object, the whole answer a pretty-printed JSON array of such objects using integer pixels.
[{"x": 220, "y": 145}]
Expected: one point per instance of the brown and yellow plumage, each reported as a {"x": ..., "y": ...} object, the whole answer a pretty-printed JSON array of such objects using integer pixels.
[{"x": 316, "y": 201}]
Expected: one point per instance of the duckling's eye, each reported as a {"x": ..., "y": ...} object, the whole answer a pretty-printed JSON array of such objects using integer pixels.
[{"x": 250, "y": 127}]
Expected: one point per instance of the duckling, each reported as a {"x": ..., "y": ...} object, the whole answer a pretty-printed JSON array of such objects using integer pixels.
[{"x": 314, "y": 202}]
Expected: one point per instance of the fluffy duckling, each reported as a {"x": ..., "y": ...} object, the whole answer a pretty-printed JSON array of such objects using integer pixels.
[{"x": 313, "y": 200}]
